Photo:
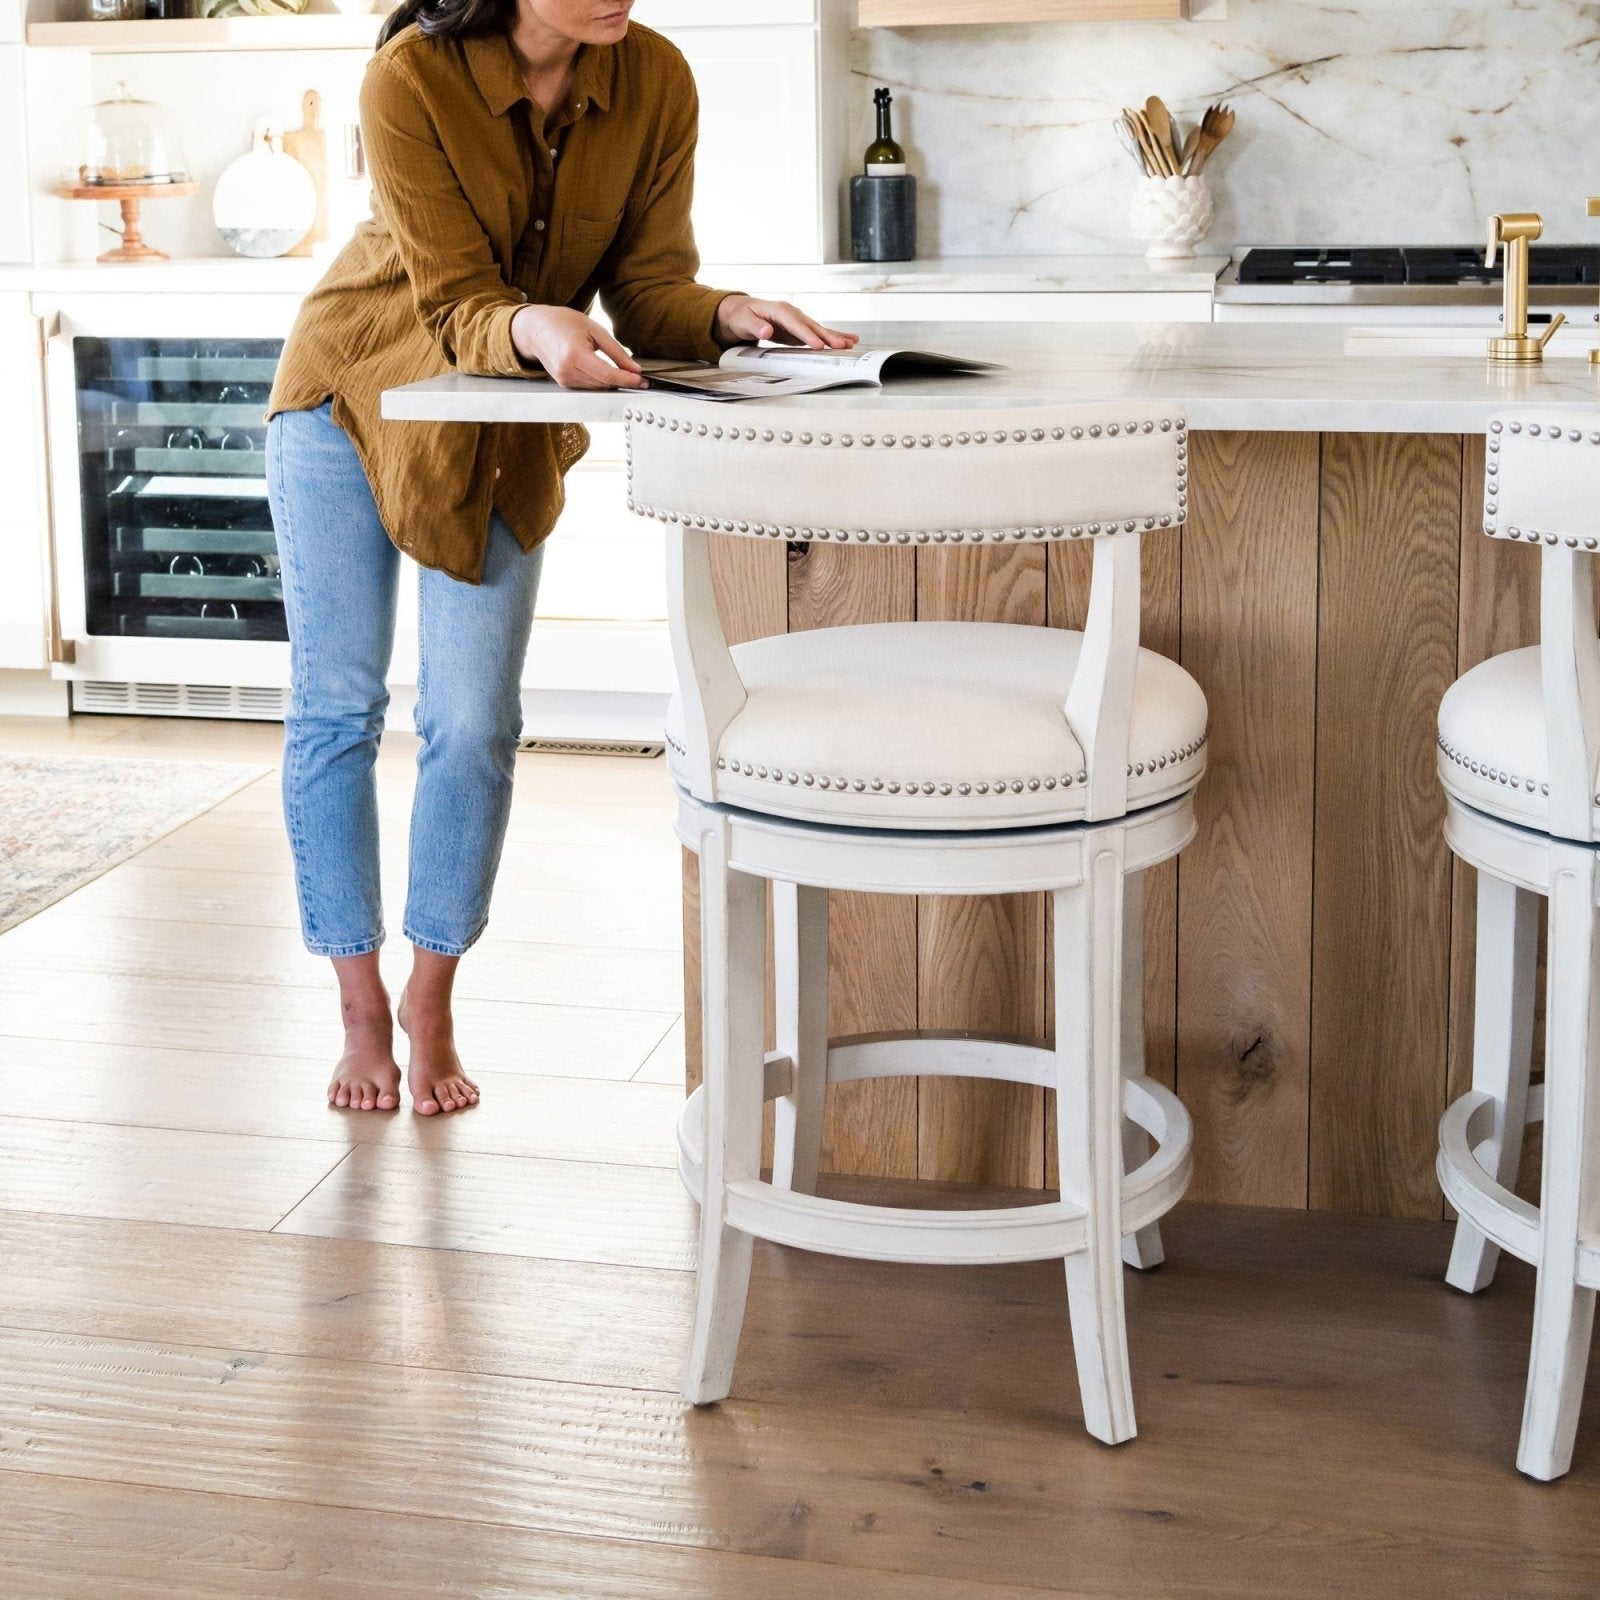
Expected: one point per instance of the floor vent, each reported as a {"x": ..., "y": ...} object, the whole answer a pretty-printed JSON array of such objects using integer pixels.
[
  {"x": 181, "y": 700},
  {"x": 643, "y": 748}
]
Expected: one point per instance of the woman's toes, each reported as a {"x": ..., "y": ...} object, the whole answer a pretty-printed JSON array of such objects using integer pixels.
[
  {"x": 387, "y": 1099},
  {"x": 341, "y": 1095},
  {"x": 427, "y": 1105}
]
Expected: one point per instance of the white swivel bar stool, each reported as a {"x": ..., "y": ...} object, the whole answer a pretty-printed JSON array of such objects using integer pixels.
[
  {"x": 1519, "y": 739},
  {"x": 925, "y": 758}
]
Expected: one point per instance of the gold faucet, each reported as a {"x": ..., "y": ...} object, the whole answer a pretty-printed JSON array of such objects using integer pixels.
[
  {"x": 1594, "y": 211},
  {"x": 1516, "y": 230}
]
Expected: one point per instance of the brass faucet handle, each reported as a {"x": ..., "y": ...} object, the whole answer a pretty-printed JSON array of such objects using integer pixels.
[{"x": 1550, "y": 332}]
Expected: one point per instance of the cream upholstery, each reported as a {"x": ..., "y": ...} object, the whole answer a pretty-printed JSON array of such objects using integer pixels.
[
  {"x": 1492, "y": 748},
  {"x": 947, "y": 725}
]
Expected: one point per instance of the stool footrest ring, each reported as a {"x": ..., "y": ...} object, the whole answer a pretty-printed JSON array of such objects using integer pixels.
[{"x": 934, "y": 1237}]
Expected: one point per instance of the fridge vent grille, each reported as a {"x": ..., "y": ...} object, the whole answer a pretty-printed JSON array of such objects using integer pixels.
[
  {"x": 181, "y": 700},
  {"x": 593, "y": 747}
]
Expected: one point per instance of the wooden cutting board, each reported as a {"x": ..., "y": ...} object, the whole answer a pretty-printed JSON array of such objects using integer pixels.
[{"x": 308, "y": 144}]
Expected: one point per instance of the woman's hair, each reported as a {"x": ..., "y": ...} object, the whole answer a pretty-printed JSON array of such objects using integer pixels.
[{"x": 449, "y": 19}]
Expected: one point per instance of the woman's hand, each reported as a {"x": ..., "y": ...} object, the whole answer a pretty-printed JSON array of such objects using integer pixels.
[
  {"x": 741, "y": 320},
  {"x": 573, "y": 349}
]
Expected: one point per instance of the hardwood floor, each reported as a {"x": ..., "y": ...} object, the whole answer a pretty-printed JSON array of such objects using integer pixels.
[{"x": 251, "y": 1347}]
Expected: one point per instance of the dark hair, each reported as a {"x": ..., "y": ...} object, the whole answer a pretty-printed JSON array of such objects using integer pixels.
[{"x": 449, "y": 19}]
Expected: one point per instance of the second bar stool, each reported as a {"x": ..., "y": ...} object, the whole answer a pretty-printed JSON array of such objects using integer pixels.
[
  {"x": 925, "y": 758},
  {"x": 1519, "y": 749}
]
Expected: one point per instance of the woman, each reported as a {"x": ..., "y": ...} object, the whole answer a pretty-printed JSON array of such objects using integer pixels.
[{"x": 525, "y": 155}]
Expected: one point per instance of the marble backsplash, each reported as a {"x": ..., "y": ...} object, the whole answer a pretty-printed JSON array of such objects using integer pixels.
[{"x": 1364, "y": 122}]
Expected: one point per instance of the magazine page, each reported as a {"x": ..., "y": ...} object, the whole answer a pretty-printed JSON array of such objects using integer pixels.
[
  {"x": 727, "y": 383},
  {"x": 865, "y": 363}
]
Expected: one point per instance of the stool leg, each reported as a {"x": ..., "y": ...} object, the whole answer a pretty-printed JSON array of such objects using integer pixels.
[
  {"x": 800, "y": 927},
  {"x": 1088, "y": 978},
  {"x": 1502, "y": 1049},
  {"x": 1141, "y": 1249},
  {"x": 733, "y": 999},
  {"x": 1563, "y": 1310}
]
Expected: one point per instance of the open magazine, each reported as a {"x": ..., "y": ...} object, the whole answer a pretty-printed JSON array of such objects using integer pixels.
[{"x": 752, "y": 371}]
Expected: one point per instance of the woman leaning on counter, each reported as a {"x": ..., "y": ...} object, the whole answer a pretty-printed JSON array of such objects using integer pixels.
[{"x": 525, "y": 156}]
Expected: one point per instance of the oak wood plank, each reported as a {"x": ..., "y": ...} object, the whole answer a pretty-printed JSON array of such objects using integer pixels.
[
  {"x": 1244, "y": 950},
  {"x": 284, "y": 1020},
  {"x": 981, "y": 959},
  {"x": 158, "y": 1174},
  {"x": 1391, "y": 535},
  {"x": 128, "y": 1541},
  {"x": 1024, "y": 1500},
  {"x": 233, "y": 1091},
  {"x": 512, "y": 1205},
  {"x": 872, "y": 950}
]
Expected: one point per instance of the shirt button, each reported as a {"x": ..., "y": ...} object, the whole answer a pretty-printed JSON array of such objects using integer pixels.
[{"x": 538, "y": 226}]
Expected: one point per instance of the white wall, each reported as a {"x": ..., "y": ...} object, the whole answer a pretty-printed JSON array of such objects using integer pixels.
[{"x": 1360, "y": 121}]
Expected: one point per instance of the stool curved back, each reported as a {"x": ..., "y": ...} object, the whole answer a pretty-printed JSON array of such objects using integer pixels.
[
  {"x": 935, "y": 478},
  {"x": 1542, "y": 486}
]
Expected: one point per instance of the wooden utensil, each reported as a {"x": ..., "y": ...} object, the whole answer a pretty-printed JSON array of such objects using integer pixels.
[
  {"x": 1215, "y": 126},
  {"x": 1155, "y": 165},
  {"x": 1159, "y": 121},
  {"x": 308, "y": 144}
]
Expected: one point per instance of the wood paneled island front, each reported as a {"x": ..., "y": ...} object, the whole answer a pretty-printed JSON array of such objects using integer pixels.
[{"x": 1309, "y": 956}]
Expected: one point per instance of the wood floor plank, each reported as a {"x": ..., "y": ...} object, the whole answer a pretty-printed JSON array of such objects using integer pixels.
[
  {"x": 158, "y": 1174},
  {"x": 212, "y": 1091},
  {"x": 174, "y": 1013},
  {"x": 1244, "y": 954},
  {"x": 76, "y": 1540},
  {"x": 614, "y": 916},
  {"x": 1387, "y": 642},
  {"x": 135, "y": 949},
  {"x": 511, "y": 1205},
  {"x": 875, "y": 1488}
]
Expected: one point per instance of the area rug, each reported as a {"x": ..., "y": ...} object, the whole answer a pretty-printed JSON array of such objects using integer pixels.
[{"x": 66, "y": 819}]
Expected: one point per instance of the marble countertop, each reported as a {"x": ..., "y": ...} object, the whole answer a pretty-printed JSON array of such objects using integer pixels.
[
  {"x": 1258, "y": 377},
  {"x": 1084, "y": 274}
]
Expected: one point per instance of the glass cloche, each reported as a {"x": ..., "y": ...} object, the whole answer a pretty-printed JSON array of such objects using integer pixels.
[{"x": 124, "y": 140}]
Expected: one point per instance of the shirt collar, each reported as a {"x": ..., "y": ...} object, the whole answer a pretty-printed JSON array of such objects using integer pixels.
[{"x": 494, "y": 70}]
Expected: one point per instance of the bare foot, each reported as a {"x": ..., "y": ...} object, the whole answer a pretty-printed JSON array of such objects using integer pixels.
[
  {"x": 434, "y": 1073},
  {"x": 367, "y": 1077}
]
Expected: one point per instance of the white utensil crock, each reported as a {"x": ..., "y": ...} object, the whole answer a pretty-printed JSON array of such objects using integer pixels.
[{"x": 1172, "y": 215}]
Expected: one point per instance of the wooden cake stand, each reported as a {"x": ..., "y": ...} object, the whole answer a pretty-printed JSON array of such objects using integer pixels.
[{"x": 130, "y": 196}]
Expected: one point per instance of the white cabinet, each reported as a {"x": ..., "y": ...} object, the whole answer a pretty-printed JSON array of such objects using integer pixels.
[
  {"x": 771, "y": 158},
  {"x": 23, "y": 529}
]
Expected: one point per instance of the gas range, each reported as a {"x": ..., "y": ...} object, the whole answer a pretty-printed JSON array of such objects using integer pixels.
[{"x": 1421, "y": 279}]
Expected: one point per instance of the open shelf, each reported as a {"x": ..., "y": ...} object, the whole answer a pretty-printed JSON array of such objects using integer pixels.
[
  {"x": 313, "y": 31},
  {"x": 929, "y": 13}
]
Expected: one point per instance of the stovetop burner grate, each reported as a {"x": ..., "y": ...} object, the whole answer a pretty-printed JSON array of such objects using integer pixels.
[{"x": 1550, "y": 265}]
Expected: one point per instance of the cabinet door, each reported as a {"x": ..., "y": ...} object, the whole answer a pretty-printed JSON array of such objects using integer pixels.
[
  {"x": 23, "y": 531},
  {"x": 757, "y": 186}
]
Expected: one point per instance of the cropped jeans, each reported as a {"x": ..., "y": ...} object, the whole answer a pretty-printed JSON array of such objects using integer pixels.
[{"x": 341, "y": 578}]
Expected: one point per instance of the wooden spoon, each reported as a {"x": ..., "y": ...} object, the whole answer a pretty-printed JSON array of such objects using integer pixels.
[
  {"x": 1140, "y": 130},
  {"x": 1159, "y": 120}
]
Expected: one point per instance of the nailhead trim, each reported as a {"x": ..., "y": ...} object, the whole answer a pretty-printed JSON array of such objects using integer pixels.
[
  {"x": 1491, "y": 506},
  {"x": 926, "y": 786},
  {"x": 1479, "y": 769},
  {"x": 846, "y": 441}
]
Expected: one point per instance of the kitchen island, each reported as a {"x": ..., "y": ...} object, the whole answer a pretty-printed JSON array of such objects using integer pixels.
[{"x": 1309, "y": 957}]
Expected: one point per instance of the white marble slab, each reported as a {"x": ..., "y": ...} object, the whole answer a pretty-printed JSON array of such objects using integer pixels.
[
  {"x": 1360, "y": 121},
  {"x": 1226, "y": 376}
]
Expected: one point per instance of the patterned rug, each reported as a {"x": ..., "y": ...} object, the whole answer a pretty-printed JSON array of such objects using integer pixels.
[{"x": 66, "y": 819}]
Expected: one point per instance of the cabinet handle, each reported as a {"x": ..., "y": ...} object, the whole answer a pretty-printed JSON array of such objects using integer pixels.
[{"x": 63, "y": 651}]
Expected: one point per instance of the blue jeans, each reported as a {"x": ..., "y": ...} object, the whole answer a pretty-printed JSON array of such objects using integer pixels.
[{"x": 341, "y": 576}]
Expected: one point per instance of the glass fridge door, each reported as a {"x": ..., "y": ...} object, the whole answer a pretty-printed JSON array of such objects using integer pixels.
[{"x": 177, "y": 537}]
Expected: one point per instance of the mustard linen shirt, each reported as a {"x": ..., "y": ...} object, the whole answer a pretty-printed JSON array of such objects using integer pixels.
[{"x": 475, "y": 215}]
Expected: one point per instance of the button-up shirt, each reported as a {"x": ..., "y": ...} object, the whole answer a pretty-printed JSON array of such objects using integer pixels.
[{"x": 483, "y": 202}]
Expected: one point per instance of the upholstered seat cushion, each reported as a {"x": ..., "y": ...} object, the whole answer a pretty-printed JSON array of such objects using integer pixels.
[
  {"x": 1492, "y": 752},
  {"x": 937, "y": 725}
]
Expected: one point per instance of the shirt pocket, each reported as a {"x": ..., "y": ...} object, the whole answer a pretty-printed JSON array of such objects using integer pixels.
[{"x": 579, "y": 251}]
